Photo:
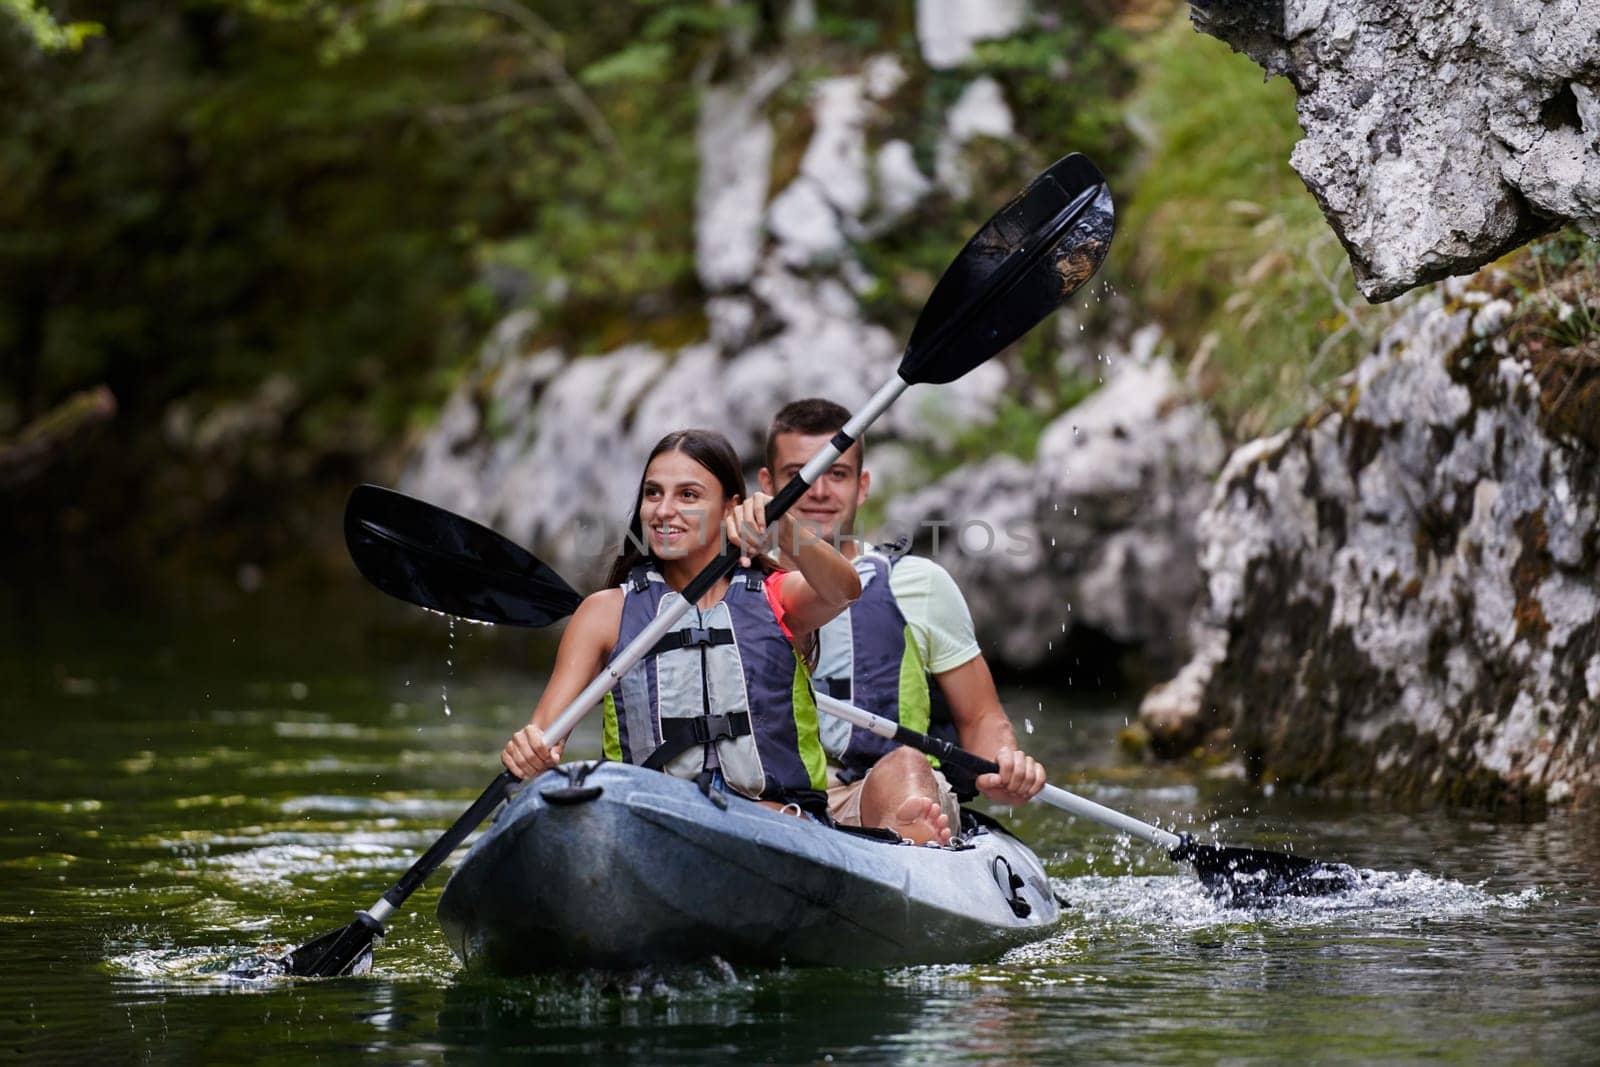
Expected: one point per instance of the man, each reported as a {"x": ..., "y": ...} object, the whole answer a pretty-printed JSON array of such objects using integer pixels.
[{"x": 910, "y": 622}]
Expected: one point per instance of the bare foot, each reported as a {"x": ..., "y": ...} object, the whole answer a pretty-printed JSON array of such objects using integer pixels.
[{"x": 921, "y": 820}]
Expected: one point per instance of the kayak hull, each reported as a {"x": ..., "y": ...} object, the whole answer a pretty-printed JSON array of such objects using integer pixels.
[{"x": 612, "y": 866}]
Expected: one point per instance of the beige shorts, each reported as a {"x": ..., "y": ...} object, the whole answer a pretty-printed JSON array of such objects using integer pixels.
[{"x": 844, "y": 801}]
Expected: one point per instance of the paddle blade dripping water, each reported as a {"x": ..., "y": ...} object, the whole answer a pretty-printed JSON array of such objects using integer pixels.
[{"x": 1023, "y": 263}]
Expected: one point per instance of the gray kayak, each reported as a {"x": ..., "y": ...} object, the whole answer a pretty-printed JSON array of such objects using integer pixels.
[{"x": 611, "y": 866}]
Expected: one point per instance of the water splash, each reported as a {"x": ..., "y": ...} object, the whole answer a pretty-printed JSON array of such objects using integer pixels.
[{"x": 1383, "y": 900}]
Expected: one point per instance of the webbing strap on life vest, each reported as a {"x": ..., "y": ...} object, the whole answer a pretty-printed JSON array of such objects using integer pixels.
[
  {"x": 639, "y": 579},
  {"x": 690, "y": 637},
  {"x": 680, "y": 735},
  {"x": 838, "y": 688}
]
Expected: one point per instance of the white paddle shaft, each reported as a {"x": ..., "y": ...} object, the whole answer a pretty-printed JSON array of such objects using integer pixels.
[{"x": 1053, "y": 795}]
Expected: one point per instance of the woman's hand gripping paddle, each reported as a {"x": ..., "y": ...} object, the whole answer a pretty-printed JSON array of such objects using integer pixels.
[{"x": 1019, "y": 266}]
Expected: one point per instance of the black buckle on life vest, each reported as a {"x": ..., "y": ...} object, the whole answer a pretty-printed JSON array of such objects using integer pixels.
[
  {"x": 639, "y": 578},
  {"x": 691, "y": 637},
  {"x": 680, "y": 735},
  {"x": 708, "y": 728}
]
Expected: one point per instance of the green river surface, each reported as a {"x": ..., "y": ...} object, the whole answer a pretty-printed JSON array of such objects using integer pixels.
[{"x": 183, "y": 789}]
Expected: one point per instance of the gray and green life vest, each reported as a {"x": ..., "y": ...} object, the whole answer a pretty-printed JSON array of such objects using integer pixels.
[
  {"x": 866, "y": 656},
  {"x": 723, "y": 690}
]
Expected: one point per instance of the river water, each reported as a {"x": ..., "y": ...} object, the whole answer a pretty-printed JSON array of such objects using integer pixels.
[{"x": 182, "y": 790}]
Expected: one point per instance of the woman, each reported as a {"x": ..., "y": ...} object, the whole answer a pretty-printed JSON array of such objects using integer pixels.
[{"x": 725, "y": 697}]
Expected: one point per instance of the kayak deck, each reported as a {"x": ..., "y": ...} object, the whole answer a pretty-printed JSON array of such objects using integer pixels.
[{"x": 612, "y": 866}]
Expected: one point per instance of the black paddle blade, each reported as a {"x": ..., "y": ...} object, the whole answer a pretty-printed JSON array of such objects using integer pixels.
[
  {"x": 426, "y": 555},
  {"x": 1033, "y": 254},
  {"x": 347, "y": 950},
  {"x": 1254, "y": 875}
]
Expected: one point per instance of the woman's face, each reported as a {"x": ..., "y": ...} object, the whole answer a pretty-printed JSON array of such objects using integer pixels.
[{"x": 682, "y": 507}]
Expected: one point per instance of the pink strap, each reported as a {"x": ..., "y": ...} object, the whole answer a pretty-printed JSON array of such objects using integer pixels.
[{"x": 774, "y": 587}]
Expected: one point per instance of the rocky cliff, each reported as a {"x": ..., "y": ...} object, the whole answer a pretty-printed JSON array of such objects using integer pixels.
[
  {"x": 548, "y": 444},
  {"x": 1402, "y": 594},
  {"x": 1092, "y": 541},
  {"x": 1440, "y": 134}
]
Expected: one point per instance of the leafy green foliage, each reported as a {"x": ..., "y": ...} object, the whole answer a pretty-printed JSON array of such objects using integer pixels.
[
  {"x": 1553, "y": 286},
  {"x": 1228, "y": 248},
  {"x": 1558, "y": 289},
  {"x": 1067, "y": 87},
  {"x": 48, "y": 34},
  {"x": 219, "y": 190}
]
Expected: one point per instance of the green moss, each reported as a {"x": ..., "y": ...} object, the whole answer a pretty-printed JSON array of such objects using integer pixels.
[{"x": 1555, "y": 327}]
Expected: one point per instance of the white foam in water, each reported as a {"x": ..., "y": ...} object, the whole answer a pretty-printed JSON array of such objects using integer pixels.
[
  {"x": 1181, "y": 902},
  {"x": 165, "y": 964}
]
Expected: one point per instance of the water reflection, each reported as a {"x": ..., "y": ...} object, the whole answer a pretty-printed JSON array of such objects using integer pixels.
[{"x": 689, "y": 1017}]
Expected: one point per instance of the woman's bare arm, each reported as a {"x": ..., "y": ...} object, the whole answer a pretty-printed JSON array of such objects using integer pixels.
[
  {"x": 821, "y": 584},
  {"x": 590, "y": 637}
]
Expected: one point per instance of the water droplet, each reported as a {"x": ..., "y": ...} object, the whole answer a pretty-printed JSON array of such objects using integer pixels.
[{"x": 1027, "y": 724}]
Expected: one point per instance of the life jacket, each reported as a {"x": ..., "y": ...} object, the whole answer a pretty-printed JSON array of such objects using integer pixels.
[
  {"x": 867, "y": 656},
  {"x": 723, "y": 690}
]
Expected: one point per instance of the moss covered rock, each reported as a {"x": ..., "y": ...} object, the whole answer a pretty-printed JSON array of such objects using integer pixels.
[{"x": 1401, "y": 592}]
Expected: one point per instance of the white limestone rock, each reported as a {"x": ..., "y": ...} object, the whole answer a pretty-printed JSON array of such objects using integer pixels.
[
  {"x": 937, "y": 418},
  {"x": 980, "y": 111},
  {"x": 1412, "y": 577},
  {"x": 901, "y": 183},
  {"x": 836, "y": 156},
  {"x": 734, "y": 143},
  {"x": 882, "y": 76},
  {"x": 1102, "y": 520},
  {"x": 1440, "y": 134},
  {"x": 947, "y": 30},
  {"x": 806, "y": 225}
]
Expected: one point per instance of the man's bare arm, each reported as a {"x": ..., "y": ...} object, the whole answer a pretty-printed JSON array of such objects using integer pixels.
[{"x": 982, "y": 727}]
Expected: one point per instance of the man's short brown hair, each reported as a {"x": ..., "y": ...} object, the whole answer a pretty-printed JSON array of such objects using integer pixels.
[{"x": 811, "y": 416}]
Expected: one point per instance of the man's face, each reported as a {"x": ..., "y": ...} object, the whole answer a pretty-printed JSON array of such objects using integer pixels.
[{"x": 829, "y": 506}]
